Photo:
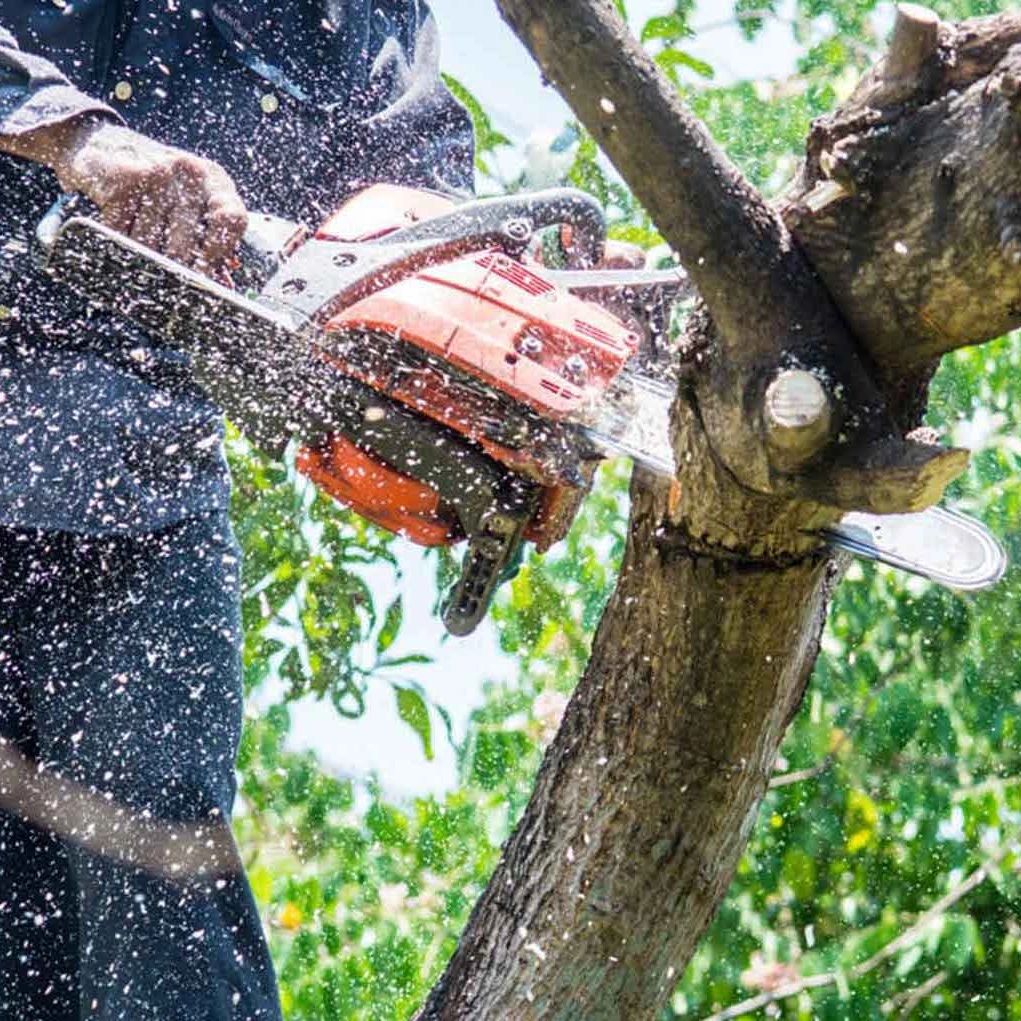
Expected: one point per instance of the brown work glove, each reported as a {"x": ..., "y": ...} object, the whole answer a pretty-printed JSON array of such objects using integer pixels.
[
  {"x": 622, "y": 255},
  {"x": 180, "y": 205}
]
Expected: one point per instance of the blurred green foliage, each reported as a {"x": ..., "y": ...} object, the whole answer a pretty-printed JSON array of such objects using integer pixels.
[{"x": 904, "y": 763}]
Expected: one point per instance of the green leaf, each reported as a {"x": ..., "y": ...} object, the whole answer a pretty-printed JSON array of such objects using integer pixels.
[
  {"x": 672, "y": 60},
  {"x": 387, "y": 824},
  {"x": 799, "y": 872},
  {"x": 391, "y": 625},
  {"x": 495, "y": 754},
  {"x": 961, "y": 942},
  {"x": 414, "y": 712},
  {"x": 670, "y": 27},
  {"x": 908, "y": 960},
  {"x": 412, "y": 659},
  {"x": 749, "y": 14},
  {"x": 487, "y": 138}
]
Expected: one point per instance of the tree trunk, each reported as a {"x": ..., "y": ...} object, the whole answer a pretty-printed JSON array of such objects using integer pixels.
[
  {"x": 647, "y": 797},
  {"x": 893, "y": 248}
]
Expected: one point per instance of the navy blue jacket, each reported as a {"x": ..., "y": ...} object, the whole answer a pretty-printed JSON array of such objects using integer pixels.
[{"x": 302, "y": 101}]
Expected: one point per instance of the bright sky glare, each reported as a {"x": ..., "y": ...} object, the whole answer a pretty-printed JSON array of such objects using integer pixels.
[{"x": 480, "y": 50}]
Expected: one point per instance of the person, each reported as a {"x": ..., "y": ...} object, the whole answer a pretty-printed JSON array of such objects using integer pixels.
[{"x": 119, "y": 576}]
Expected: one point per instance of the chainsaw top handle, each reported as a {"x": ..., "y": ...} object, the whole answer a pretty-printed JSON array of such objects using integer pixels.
[
  {"x": 325, "y": 276},
  {"x": 511, "y": 220}
]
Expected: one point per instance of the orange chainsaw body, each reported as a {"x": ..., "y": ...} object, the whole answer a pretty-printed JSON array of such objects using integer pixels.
[{"x": 488, "y": 317}]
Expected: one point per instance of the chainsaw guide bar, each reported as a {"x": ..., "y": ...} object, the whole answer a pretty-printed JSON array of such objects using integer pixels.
[{"x": 435, "y": 441}]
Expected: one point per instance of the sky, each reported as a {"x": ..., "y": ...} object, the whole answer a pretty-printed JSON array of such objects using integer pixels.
[
  {"x": 480, "y": 50},
  {"x": 483, "y": 53}
]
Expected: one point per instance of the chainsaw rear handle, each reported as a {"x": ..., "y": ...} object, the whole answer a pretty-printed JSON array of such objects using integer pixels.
[{"x": 259, "y": 254}]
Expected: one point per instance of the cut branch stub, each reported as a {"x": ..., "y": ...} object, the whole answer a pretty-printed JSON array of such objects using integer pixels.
[
  {"x": 798, "y": 417},
  {"x": 919, "y": 60},
  {"x": 894, "y": 476},
  {"x": 914, "y": 42}
]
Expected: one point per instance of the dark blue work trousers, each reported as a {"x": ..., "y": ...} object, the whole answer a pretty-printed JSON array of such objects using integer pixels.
[{"x": 120, "y": 684}]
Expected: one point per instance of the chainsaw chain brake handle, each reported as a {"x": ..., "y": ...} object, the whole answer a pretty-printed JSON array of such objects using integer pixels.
[{"x": 324, "y": 276}]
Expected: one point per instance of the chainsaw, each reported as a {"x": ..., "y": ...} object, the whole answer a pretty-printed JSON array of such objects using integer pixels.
[{"x": 440, "y": 380}]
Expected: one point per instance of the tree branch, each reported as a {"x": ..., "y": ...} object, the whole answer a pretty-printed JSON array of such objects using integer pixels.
[
  {"x": 847, "y": 732},
  {"x": 802, "y": 775},
  {"x": 909, "y": 1000}
]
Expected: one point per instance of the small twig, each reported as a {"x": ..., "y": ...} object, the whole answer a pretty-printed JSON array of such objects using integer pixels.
[
  {"x": 909, "y": 935},
  {"x": 908, "y": 1000},
  {"x": 895, "y": 946},
  {"x": 926, "y": 761},
  {"x": 801, "y": 775},
  {"x": 782, "y": 993},
  {"x": 984, "y": 786}
]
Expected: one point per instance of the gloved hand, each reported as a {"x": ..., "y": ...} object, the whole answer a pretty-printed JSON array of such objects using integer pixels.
[
  {"x": 622, "y": 255},
  {"x": 178, "y": 204}
]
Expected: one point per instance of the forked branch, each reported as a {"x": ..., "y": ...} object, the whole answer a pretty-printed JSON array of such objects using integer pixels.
[{"x": 770, "y": 313}]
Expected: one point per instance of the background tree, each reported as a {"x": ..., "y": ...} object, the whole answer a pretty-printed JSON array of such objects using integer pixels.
[{"x": 895, "y": 800}]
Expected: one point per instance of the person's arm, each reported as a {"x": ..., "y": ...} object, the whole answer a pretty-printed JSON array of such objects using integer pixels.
[
  {"x": 418, "y": 135},
  {"x": 170, "y": 200}
]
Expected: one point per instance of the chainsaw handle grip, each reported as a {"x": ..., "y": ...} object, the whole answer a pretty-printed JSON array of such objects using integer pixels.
[{"x": 514, "y": 219}]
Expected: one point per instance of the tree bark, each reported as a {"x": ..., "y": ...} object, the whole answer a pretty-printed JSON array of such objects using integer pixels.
[
  {"x": 649, "y": 793},
  {"x": 920, "y": 241},
  {"x": 646, "y": 798}
]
